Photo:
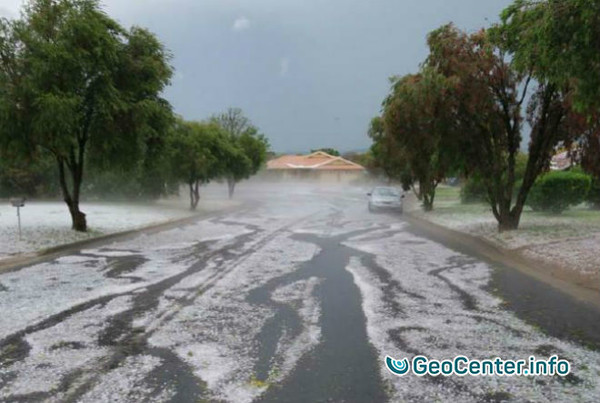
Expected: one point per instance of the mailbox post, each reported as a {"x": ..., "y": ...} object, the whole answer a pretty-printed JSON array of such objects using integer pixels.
[{"x": 18, "y": 202}]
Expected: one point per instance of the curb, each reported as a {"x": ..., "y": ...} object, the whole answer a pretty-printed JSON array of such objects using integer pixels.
[
  {"x": 27, "y": 259},
  {"x": 579, "y": 287}
]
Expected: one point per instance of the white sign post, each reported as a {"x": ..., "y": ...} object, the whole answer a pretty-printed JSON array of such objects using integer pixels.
[{"x": 18, "y": 202}]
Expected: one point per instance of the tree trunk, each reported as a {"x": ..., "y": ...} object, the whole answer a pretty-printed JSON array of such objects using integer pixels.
[
  {"x": 428, "y": 201},
  {"x": 230, "y": 186},
  {"x": 508, "y": 221},
  {"x": 194, "y": 195},
  {"x": 78, "y": 220},
  {"x": 508, "y": 218},
  {"x": 417, "y": 193},
  {"x": 427, "y": 190}
]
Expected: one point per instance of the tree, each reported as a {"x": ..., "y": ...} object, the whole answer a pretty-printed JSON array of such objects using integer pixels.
[
  {"x": 560, "y": 38},
  {"x": 249, "y": 149},
  {"x": 488, "y": 96},
  {"x": 559, "y": 41},
  {"x": 419, "y": 117},
  {"x": 237, "y": 166},
  {"x": 589, "y": 147},
  {"x": 145, "y": 179},
  {"x": 330, "y": 151},
  {"x": 233, "y": 122},
  {"x": 30, "y": 177},
  {"x": 81, "y": 88},
  {"x": 255, "y": 147},
  {"x": 365, "y": 159},
  {"x": 388, "y": 156},
  {"x": 246, "y": 155},
  {"x": 198, "y": 154}
]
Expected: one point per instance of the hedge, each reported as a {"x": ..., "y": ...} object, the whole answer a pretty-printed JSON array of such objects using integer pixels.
[{"x": 557, "y": 191}]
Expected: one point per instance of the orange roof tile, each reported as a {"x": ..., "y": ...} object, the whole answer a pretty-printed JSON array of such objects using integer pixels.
[{"x": 318, "y": 161}]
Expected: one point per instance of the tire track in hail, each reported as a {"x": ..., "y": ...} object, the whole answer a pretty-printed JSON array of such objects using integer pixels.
[
  {"x": 128, "y": 340},
  {"x": 14, "y": 347}
]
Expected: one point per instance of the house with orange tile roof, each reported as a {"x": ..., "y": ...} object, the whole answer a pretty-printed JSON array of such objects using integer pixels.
[
  {"x": 318, "y": 166},
  {"x": 566, "y": 158}
]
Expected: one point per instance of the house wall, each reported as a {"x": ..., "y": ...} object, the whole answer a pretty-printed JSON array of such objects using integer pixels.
[{"x": 320, "y": 176}]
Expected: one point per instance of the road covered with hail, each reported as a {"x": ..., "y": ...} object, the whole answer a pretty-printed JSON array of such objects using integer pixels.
[{"x": 297, "y": 296}]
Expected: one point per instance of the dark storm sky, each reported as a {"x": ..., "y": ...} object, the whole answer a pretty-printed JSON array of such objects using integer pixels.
[{"x": 309, "y": 73}]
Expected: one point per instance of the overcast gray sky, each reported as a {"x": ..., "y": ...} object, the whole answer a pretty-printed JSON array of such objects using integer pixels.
[{"x": 308, "y": 73}]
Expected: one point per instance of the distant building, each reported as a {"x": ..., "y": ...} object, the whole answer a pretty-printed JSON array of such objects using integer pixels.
[
  {"x": 318, "y": 166},
  {"x": 565, "y": 159}
]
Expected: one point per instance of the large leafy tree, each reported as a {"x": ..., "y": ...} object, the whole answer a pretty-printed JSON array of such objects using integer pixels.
[
  {"x": 81, "y": 88},
  {"x": 418, "y": 116},
  {"x": 249, "y": 147},
  {"x": 145, "y": 179},
  {"x": 387, "y": 156},
  {"x": 559, "y": 41},
  {"x": 237, "y": 167},
  {"x": 29, "y": 177},
  {"x": 198, "y": 153},
  {"x": 255, "y": 146},
  {"x": 489, "y": 93}
]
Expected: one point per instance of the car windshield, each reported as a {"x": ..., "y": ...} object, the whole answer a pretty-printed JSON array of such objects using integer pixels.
[{"x": 386, "y": 192}]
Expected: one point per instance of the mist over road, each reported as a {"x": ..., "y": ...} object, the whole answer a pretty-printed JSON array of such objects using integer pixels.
[{"x": 297, "y": 296}]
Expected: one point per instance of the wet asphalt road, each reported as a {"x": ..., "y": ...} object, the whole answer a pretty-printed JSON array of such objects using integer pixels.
[{"x": 297, "y": 298}]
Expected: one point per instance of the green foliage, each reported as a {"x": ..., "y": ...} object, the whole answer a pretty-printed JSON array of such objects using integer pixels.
[
  {"x": 473, "y": 190},
  {"x": 556, "y": 191},
  {"x": 238, "y": 166},
  {"x": 198, "y": 153},
  {"x": 489, "y": 95},
  {"x": 153, "y": 172},
  {"x": 203, "y": 151},
  {"x": 559, "y": 41},
  {"x": 520, "y": 166},
  {"x": 467, "y": 103},
  {"x": 147, "y": 181},
  {"x": 195, "y": 148},
  {"x": 594, "y": 194},
  {"x": 248, "y": 149},
  {"x": 78, "y": 86},
  {"x": 330, "y": 151},
  {"x": 365, "y": 159},
  {"x": 115, "y": 184},
  {"x": 387, "y": 156},
  {"x": 255, "y": 147},
  {"x": 28, "y": 177},
  {"x": 418, "y": 120}
]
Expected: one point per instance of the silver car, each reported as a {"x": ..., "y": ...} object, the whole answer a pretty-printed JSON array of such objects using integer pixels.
[{"x": 385, "y": 198}]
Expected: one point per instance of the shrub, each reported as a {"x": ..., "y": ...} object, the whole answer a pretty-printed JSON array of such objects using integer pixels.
[
  {"x": 473, "y": 190},
  {"x": 556, "y": 191},
  {"x": 594, "y": 194}
]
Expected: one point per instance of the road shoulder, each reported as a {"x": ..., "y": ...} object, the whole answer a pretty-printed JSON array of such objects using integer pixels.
[
  {"x": 26, "y": 259},
  {"x": 555, "y": 275}
]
